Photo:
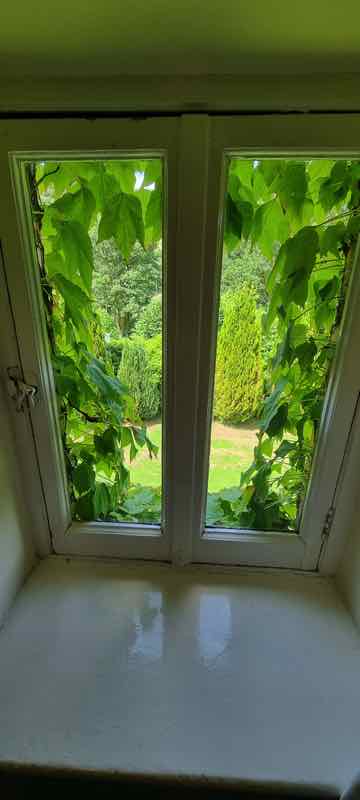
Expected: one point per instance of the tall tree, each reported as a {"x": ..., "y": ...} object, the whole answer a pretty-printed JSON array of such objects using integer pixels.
[
  {"x": 246, "y": 266},
  {"x": 123, "y": 288},
  {"x": 239, "y": 369}
]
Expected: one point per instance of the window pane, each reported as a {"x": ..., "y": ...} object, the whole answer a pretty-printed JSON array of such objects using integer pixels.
[
  {"x": 98, "y": 236},
  {"x": 289, "y": 238}
]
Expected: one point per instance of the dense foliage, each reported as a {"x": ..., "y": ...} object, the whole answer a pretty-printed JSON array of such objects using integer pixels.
[
  {"x": 304, "y": 218},
  {"x": 150, "y": 320},
  {"x": 239, "y": 368},
  {"x": 113, "y": 350},
  {"x": 73, "y": 203},
  {"x": 123, "y": 288},
  {"x": 290, "y": 231},
  {"x": 246, "y": 266},
  {"x": 142, "y": 381}
]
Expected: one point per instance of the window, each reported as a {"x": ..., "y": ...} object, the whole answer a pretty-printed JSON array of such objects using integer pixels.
[
  {"x": 289, "y": 236},
  {"x": 98, "y": 236},
  {"x": 189, "y": 322}
]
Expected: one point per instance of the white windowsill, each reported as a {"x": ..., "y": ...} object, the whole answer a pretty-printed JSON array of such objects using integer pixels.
[{"x": 154, "y": 671}]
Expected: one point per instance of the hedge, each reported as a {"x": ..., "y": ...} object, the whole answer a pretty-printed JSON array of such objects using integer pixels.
[
  {"x": 137, "y": 373},
  {"x": 149, "y": 323},
  {"x": 239, "y": 362}
]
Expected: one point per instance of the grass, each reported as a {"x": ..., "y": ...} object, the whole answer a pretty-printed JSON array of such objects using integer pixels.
[{"x": 231, "y": 453}]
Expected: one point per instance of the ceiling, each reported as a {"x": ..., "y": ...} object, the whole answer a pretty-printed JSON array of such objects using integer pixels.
[{"x": 178, "y": 37}]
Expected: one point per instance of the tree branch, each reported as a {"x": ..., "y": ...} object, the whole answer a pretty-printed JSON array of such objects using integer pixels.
[
  {"x": 47, "y": 174},
  {"x": 352, "y": 213},
  {"x": 88, "y": 417}
]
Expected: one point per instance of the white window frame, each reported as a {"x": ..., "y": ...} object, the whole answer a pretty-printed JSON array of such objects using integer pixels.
[
  {"x": 288, "y": 136},
  {"x": 195, "y": 149},
  {"x": 83, "y": 139}
]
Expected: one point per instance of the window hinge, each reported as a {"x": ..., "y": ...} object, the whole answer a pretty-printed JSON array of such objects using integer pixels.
[
  {"x": 329, "y": 519},
  {"x": 20, "y": 391}
]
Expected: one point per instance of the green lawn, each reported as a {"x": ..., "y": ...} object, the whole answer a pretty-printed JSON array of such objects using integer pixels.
[{"x": 231, "y": 452}]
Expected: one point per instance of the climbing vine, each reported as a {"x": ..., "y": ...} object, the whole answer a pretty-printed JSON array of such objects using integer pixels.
[
  {"x": 304, "y": 217},
  {"x": 98, "y": 416}
]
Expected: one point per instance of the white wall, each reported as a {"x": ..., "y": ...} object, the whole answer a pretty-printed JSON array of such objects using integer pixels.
[
  {"x": 16, "y": 550},
  {"x": 348, "y": 575},
  {"x": 348, "y": 512},
  {"x": 181, "y": 93},
  {"x": 16, "y": 546}
]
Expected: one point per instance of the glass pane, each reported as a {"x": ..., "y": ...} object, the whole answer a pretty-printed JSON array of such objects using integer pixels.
[
  {"x": 98, "y": 235},
  {"x": 289, "y": 238}
]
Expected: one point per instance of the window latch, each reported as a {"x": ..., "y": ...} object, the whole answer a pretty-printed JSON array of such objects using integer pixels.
[
  {"x": 20, "y": 391},
  {"x": 329, "y": 519}
]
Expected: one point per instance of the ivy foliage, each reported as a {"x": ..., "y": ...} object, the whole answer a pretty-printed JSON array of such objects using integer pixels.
[
  {"x": 301, "y": 216},
  {"x": 74, "y": 205},
  {"x": 304, "y": 218}
]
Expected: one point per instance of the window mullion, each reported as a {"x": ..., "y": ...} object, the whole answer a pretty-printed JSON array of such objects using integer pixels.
[{"x": 190, "y": 251}]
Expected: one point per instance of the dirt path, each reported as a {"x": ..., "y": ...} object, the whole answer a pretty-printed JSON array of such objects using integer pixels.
[{"x": 241, "y": 434}]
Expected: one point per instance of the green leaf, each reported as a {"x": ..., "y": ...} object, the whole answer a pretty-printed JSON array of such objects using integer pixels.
[
  {"x": 309, "y": 431},
  {"x": 300, "y": 251},
  {"x": 323, "y": 316},
  {"x": 230, "y": 494},
  {"x": 55, "y": 264},
  {"x": 297, "y": 258},
  {"x": 126, "y": 437},
  {"x": 153, "y": 216},
  {"x": 77, "y": 303},
  {"x": 214, "y": 512},
  {"x": 306, "y": 353},
  {"x": 291, "y": 187},
  {"x": 353, "y": 226},
  {"x": 87, "y": 456},
  {"x": 331, "y": 239},
  {"x": 153, "y": 171},
  {"x": 102, "y": 500},
  {"x": 266, "y": 447},
  {"x": 296, "y": 289},
  {"x": 133, "y": 450},
  {"x": 77, "y": 249},
  {"x": 106, "y": 443},
  {"x": 122, "y": 219},
  {"x": 83, "y": 477},
  {"x": 77, "y": 206},
  {"x": 270, "y": 227},
  {"x": 243, "y": 168},
  {"x": 319, "y": 168},
  {"x": 325, "y": 292},
  {"x": 329, "y": 290},
  {"x": 278, "y": 421},
  {"x": 242, "y": 504},
  {"x": 66, "y": 172},
  {"x": 103, "y": 186},
  {"x": 285, "y": 448},
  {"x": 233, "y": 223},
  {"x": 84, "y": 507},
  {"x": 270, "y": 169},
  {"x": 275, "y": 305},
  {"x": 139, "y": 501},
  {"x": 272, "y": 403},
  {"x": 334, "y": 189},
  {"x": 109, "y": 387},
  {"x": 124, "y": 172}
]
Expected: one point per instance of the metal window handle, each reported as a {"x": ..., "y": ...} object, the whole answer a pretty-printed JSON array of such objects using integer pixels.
[{"x": 20, "y": 391}]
